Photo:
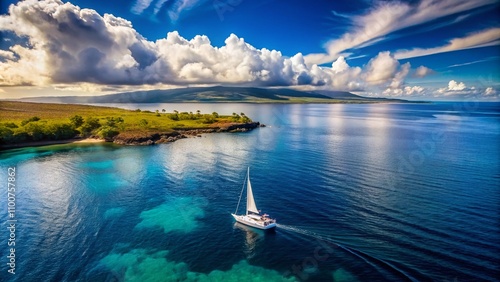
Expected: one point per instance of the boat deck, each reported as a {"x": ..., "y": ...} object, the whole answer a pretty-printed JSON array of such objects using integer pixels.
[{"x": 256, "y": 221}]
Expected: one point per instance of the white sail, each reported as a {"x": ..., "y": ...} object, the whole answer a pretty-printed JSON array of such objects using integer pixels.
[{"x": 251, "y": 207}]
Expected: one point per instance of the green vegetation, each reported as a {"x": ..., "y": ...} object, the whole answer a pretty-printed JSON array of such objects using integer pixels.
[
  {"x": 76, "y": 120},
  {"x": 24, "y": 122}
]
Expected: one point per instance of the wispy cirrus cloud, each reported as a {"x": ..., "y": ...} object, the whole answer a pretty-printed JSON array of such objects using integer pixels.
[
  {"x": 488, "y": 37},
  {"x": 140, "y": 6},
  {"x": 474, "y": 62},
  {"x": 388, "y": 17},
  {"x": 174, "y": 8},
  {"x": 181, "y": 5}
]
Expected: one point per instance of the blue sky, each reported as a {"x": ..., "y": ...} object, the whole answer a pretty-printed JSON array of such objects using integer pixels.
[{"x": 420, "y": 49}]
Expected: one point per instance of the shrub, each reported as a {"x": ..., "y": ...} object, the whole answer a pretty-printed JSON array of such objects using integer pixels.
[
  {"x": 89, "y": 125},
  {"x": 10, "y": 125},
  {"x": 35, "y": 131},
  {"x": 76, "y": 120},
  {"x": 60, "y": 131},
  {"x": 26, "y": 121},
  {"x": 245, "y": 119},
  {"x": 184, "y": 116},
  {"x": 173, "y": 116},
  {"x": 107, "y": 132},
  {"x": 6, "y": 134},
  {"x": 235, "y": 117},
  {"x": 111, "y": 121},
  {"x": 208, "y": 118}
]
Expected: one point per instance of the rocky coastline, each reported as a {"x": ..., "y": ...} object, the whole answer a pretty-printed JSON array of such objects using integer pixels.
[
  {"x": 145, "y": 139},
  {"x": 180, "y": 133}
]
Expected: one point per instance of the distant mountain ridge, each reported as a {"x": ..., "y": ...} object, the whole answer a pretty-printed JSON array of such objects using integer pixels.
[{"x": 214, "y": 94}]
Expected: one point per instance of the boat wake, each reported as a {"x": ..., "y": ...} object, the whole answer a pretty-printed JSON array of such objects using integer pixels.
[
  {"x": 300, "y": 231},
  {"x": 374, "y": 262}
]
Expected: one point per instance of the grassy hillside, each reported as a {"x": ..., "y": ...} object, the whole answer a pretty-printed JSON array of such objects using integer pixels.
[{"x": 24, "y": 122}]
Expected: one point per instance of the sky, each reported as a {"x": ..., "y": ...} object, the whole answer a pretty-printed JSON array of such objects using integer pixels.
[{"x": 416, "y": 49}]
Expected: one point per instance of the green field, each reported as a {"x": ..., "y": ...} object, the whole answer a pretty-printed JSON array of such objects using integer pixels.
[{"x": 25, "y": 122}]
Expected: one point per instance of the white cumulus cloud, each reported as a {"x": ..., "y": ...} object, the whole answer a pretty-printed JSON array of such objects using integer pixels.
[
  {"x": 456, "y": 86},
  {"x": 490, "y": 91},
  {"x": 381, "y": 68},
  {"x": 340, "y": 65},
  {"x": 70, "y": 45},
  {"x": 8, "y": 55},
  {"x": 423, "y": 71},
  {"x": 410, "y": 90}
]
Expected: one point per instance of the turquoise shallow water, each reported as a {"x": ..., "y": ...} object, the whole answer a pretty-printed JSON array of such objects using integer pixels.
[{"x": 361, "y": 193}]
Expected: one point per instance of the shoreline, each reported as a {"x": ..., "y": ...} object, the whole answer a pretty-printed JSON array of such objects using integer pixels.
[
  {"x": 51, "y": 142},
  {"x": 141, "y": 140}
]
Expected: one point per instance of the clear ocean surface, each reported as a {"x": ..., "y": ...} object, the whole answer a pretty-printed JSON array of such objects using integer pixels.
[{"x": 382, "y": 192}]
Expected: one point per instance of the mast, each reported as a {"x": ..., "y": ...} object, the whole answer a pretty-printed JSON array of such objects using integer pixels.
[
  {"x": 241, "y": 194},
  {"x": 251, "y": 207}
]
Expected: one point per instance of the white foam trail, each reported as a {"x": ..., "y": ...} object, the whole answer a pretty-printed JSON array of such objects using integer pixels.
[{"x": 300, "y": 231}]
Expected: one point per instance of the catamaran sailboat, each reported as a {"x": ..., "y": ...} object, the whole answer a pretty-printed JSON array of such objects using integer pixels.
[{"x": 253, "y": 217}]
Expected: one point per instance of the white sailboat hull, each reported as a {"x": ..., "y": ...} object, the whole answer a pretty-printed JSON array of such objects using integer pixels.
[{"x": 254, "y": 222}]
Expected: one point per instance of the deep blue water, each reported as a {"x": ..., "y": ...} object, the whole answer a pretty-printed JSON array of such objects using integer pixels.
[{"x": 394, "y": 192}]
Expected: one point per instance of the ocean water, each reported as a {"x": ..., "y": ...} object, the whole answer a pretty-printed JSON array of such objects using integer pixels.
[{"x": 393, "y": 192}]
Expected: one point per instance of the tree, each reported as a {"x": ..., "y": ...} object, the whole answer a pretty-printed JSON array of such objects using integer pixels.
[
  {"x": 6, "y": 134},
  {"x": 163, "y": 110},
  {"x": 245, "y": 119},
  {"x": 90, "y": 124},
  {"x": 111, "y": 121},
  {"x": 174, "y": 116},
  {"x": 107, "y": 132},
  {"x": 215, "y": 114},
  {"x": 184, "y": 116},
  {"x": 59, "y": 131},
  {"x": 35, "y": 131},
  {"x": 235, "y": 117},
  {"x": 76, "y": 120},
  {"x": 208, "y": 118}
]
